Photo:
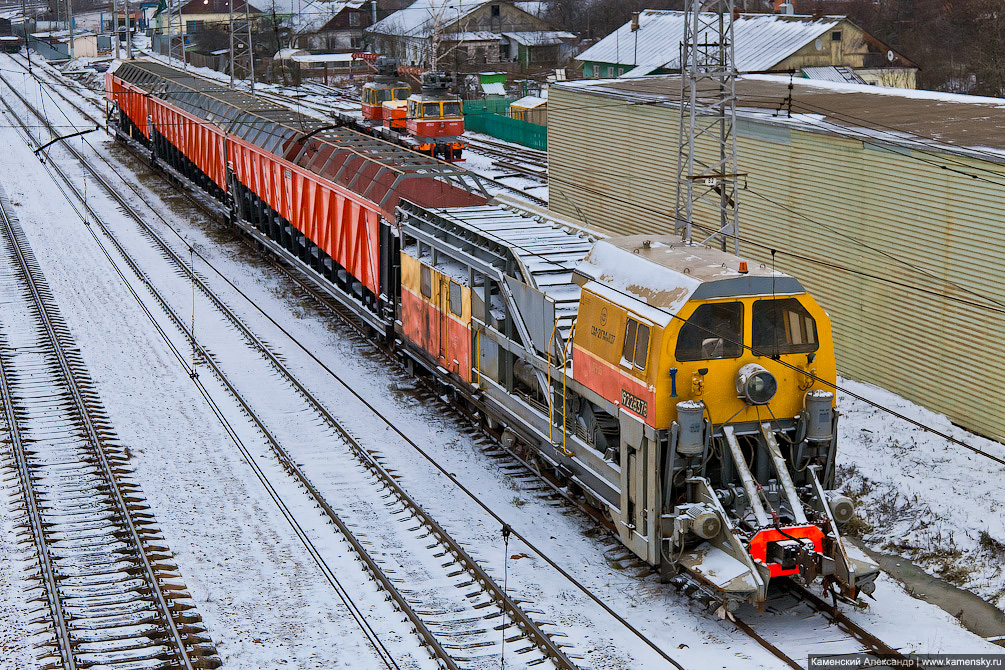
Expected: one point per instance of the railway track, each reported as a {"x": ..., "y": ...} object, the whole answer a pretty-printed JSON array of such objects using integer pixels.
[
  {"x": 111, "y": 595},
  {"x": 795, "y": 605},
  {"x": 527, "y": 163},
  {"x": 797, "y": 623},
  {"x": 459, "y": 612}
]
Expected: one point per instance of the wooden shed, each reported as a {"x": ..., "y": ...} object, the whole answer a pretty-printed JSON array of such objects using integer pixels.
[{"x": 530, "y": 108}]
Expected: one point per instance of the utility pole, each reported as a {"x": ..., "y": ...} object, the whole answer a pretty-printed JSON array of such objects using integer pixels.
[
  {"x": 707, "y": 183},
  {"x": 241, "y": 46},
  {"x": 129, "y": 33},
  {"x": 176, "y": 48},
  {"x": 69, "y": 20},
  {"x": 27, "y": 33},
  {"x": 115, "y": 27}
]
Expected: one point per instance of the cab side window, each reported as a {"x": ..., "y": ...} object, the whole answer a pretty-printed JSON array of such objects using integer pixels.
[
  {"x": 783, "y": 326},
  {"x": 636, "y": 349},
  {"x": 425, "y": 282},
  {"x": 455, "y": 298},
  {"x": 715, "y": 330}
]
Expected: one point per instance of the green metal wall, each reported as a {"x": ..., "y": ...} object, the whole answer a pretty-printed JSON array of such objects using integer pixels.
[
  {"x": 905, "y": 255},
  {"x": 489, "y": 117}
]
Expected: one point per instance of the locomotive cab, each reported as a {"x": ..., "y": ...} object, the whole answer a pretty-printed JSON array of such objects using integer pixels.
[
  {"x": 435, "y": 119},
  {"x": 385, "y": 87},
  {"x": 729, "y": 368}
]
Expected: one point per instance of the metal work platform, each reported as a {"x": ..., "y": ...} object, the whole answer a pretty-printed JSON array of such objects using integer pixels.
[{"x": 537, "y": 251}]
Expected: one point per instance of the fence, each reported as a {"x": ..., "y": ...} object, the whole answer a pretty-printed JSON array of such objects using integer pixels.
[{"x": 489, "y": 117}]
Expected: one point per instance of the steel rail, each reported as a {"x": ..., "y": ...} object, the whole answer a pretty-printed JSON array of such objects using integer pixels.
[
  {"x": 842, "y": 621},
  {"x": 92, "y": 435},
  {"x": 179, "y": 323},
  {"x": 520, "y": 617},
  {"x": 34, "y": 514}
]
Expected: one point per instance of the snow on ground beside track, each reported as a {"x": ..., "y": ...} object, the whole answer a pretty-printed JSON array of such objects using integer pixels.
[{"x": 922, "y": 496}]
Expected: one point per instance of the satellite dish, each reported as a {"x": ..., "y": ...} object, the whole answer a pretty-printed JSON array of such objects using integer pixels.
[
  {"x": 819, "y": 44},
  {"x": 890, "y": 55}
]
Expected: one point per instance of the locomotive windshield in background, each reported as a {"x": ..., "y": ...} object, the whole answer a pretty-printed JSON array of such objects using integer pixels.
[{"x": 685, "y": 398}]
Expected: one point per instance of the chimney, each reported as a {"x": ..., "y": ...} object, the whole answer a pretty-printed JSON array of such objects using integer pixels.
[
  {"x": 785, "y": 7},
  {"x": 635, "y": 21}
]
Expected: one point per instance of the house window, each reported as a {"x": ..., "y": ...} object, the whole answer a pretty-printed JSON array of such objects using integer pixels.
[
  {"x": 836, "y": 36},
  {"x": 194, "y": 26},
  {"x": 356, "y": 42},
  {"x": 354, "y": 19},
  {"x": 495, "y": 10}
]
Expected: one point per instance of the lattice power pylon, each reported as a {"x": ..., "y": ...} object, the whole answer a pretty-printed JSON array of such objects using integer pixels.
[
  {"x": 706, "y": 158},
  {"x": 242, "y": 58}
]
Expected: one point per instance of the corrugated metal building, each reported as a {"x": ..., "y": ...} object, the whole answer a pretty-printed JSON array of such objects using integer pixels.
[
  {"x": 762, "y": 42},
  {"x": 886, "y": 203}
]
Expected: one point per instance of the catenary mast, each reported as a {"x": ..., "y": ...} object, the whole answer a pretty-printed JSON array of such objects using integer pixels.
[{"x": 706, "y": 157}]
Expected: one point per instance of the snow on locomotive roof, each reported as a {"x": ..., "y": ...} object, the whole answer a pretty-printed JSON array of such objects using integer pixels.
[{"x": 673, "y": 272}]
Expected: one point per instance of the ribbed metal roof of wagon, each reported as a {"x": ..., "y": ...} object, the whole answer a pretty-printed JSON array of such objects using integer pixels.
[
  {"x": 379, "y": 170},
  {"x": 535, "y": 246}
]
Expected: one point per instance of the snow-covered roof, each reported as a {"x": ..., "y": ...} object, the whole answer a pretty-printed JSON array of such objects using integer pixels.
[
  {"x": 62, "y": 35},
  {"x": 536, "y": 8},
  {"x": 323, "y": 58},
  {"x": 760, "y": 40},
  {"x": 529, "y": 102},
  {"x": 927, "y": 120},
  {"x": 840, "y": 75},
  {"x": 494, "y": 88},
  {"x": 642, "y": 70},
  {"x": 540, "y": 38},
  {"x": 421, "y": 18},
  {"x": 288, "y": 53},
  {"x": 473, "y": 36}
]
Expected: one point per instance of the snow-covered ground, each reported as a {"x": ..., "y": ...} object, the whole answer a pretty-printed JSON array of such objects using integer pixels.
[
  {"x": 922, "y": 496},
  {"x": 260, "y": 594}
]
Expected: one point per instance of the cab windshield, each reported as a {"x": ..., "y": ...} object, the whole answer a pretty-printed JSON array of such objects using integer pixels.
[
  {"x": 783, "y": 326},
  {"x": 451, "y": 109},
  {"x": 715, "y": 330}
]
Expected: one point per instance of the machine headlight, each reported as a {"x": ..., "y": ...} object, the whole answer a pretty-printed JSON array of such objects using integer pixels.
[{"x": 755, "y": 384}]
